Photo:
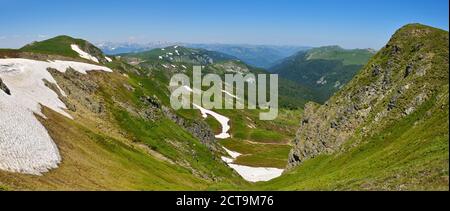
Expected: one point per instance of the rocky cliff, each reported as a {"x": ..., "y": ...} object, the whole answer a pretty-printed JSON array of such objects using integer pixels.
[{"x": 410, "y": 71}]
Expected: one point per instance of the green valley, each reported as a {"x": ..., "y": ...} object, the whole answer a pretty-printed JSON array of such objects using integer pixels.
[{"x": 347, "y": 119}]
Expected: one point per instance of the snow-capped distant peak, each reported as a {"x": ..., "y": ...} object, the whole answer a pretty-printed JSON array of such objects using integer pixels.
[{"x": 83, "y": 54}]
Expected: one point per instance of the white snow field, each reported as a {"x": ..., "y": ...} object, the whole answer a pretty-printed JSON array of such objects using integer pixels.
[
  {"x": 256, "y": 174},
  {"x": 83, "y": 54},
  {"x": 25, "y": 145},
  {"x": 251, "y": 174},
  {"x": 233, "y": 154},
  {"x": 108, "y": 59},
  {"x": 222, "y": 120}
]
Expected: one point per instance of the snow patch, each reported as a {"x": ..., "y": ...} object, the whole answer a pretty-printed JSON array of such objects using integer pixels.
[
  {"x": 83, "y": 54},
  {"x": 25, "y": 146},
  {"x": 251, "y": 174},
  {"x": 108, "y": 59},
  {"x": 227, "y": 159},
  {"x": 256, "y": 174},
  {"x": 233, "y": 154},
  {"x": 222, "y": 120}
]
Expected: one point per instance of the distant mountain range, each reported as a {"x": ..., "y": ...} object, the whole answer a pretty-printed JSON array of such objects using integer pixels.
[
  {"x": 262, "y": 56},
  {"x": 113, "y": 48},
  {"x": 324, "y": 70},
  {"x": 292, "y": 95}
]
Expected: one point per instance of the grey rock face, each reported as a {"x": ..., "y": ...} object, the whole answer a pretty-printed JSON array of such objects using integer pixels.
[
  {"x": 387, "y": 89},
  {"x": 198, "y": 129},
  {"x": 4, "y": 88},
  {"x": 81, "y": 88}
]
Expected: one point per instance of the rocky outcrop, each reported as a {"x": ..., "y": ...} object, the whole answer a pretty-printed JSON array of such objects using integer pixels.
[
  {"x": 401, "y": 77},
  {"x": 4, "y": 88},
  {"x": 198, "y": 129},
  {"x": 79, "y": 87}
]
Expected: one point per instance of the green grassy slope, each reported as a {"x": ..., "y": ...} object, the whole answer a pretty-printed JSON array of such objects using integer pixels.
[
  {"x": 323, "y": 70},
  {"x": 119, "y": 149},
  {"x": 262, "y": 143},
  {"x": 402, "y": 143},
  {"x": 347, "y": 56},
  {"x": 56, "y": 46},
  {"x": 96, "y": 161},
  {"x": 61, "y": 46},
  {"x": 411, "y": 154}
]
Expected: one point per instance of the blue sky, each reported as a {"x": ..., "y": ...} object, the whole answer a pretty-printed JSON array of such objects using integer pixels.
[{"x": 349, "y": 23}]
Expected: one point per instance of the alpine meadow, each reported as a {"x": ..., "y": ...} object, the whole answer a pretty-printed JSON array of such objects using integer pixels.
[{"x": 242, "y": 96}]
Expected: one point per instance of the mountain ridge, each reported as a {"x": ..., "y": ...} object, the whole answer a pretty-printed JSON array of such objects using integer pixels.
[
  {"x": 325, "y": 70},
  {"x": 387, "y": 129}
]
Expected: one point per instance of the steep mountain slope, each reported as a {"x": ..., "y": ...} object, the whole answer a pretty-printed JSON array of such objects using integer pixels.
[
  {"x": 387, "y": 128},
  {"x": 112, "y": 129},
  {"x": 262, "y": 56},
  {"x": 324, "y": 70}
]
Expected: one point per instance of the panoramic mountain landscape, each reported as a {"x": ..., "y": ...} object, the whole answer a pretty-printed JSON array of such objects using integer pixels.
[
  {"x": 111, "y": 113},
  {"x": 81, "y": 116}
]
